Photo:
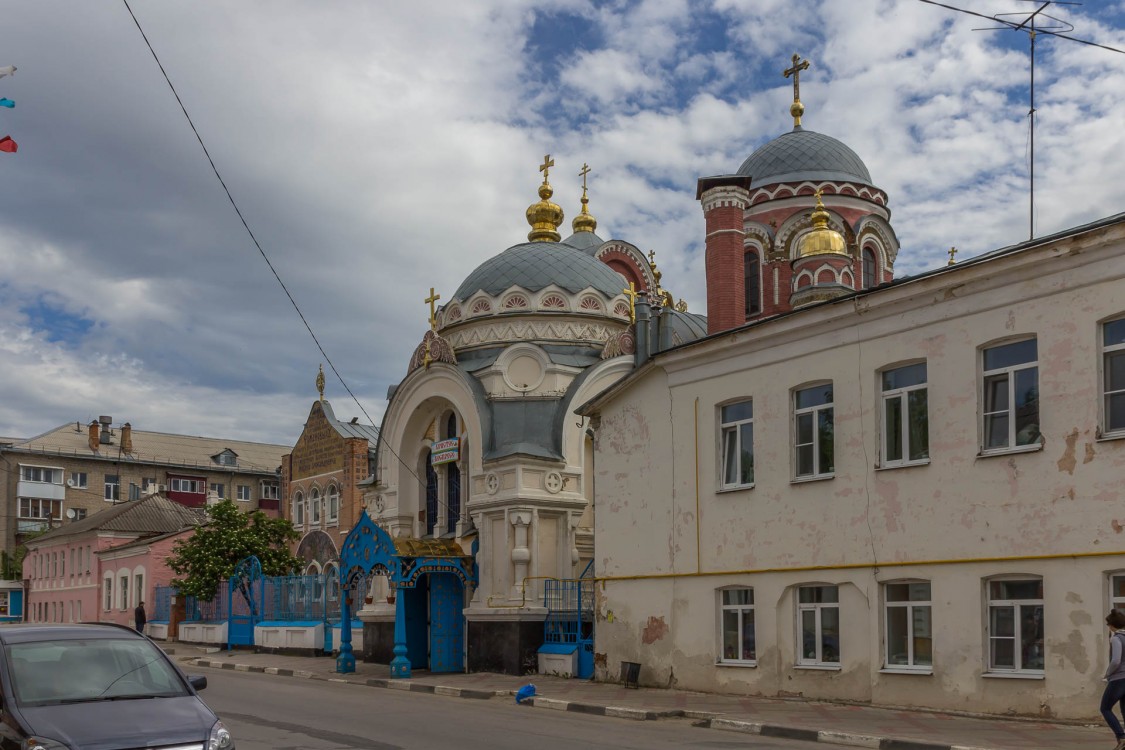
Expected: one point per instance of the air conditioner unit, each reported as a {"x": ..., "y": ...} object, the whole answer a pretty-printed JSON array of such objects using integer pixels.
[
  {"x": 161, "y": 488},
  {"x": 71, "y": 483}
]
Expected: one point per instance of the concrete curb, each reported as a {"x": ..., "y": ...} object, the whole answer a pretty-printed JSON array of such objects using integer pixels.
[{"x": 703, "y": 719}]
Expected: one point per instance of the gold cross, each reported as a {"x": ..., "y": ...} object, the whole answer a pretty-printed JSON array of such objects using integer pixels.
[
  {"x": 585, "y": 171},
  {"x": 795, "y": 71},
  {"x": 632, "y": 293},
  {"x": 952, "y": 252},
  {"x": 431, "y": 300},
  {"x": 548, "y": 162}
]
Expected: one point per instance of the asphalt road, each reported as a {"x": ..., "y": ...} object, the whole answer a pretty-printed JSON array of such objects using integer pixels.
[{"x": 267, "y": 712}]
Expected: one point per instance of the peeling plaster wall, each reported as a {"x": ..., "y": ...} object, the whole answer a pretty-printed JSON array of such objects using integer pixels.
[{"x": 1063, "y": 499}]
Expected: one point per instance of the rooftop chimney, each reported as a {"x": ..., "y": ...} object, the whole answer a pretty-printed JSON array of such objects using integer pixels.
[
  {"x": 93, "y": 436},
  {"x": 107, "y": 432},
  {"x": 126, "y": 438}
]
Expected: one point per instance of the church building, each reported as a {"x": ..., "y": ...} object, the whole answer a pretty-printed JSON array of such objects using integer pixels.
[
  {"x": 902, "y": 491},
  {"x": 481, "y": 456}
]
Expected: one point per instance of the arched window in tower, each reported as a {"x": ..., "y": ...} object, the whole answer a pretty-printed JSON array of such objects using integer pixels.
[
  {"x": 452, "y": 482},
  {"x": 752, "y": 283},
  {"x": 431, "y": 495},
  {"x": 869, "y": 279}
]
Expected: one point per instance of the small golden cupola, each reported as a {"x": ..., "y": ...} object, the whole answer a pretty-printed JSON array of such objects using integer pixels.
[
  {"x": 545, "y": 217},
  {"x": 584, "y": 221},
  {"x": 821, "y": 240}
]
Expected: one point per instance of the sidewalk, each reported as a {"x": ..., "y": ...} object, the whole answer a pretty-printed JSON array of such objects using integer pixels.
[{"x": 852, "y": 726}]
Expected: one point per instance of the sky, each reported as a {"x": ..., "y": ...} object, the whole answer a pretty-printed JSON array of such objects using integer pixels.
[{"x": 380, "y": 149}]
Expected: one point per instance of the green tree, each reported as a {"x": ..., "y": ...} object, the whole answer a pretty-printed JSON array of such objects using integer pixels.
[{"x": 229, "y": 535}]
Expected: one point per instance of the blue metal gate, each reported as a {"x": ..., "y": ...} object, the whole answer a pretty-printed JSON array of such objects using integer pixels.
[
  {"x": 245, "y": 592},
  {"x": 447, "y": 601}
]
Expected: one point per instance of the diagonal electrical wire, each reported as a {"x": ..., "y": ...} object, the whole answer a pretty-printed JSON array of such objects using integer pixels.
[
  {"x": 1019, "y": 27},
  {"x": 262, "y": 251}
]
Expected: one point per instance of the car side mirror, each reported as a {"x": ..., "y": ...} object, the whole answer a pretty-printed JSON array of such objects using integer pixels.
[{"x": 197, "y": 681}]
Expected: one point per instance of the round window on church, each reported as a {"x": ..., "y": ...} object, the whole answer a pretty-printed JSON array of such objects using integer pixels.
[{"x": 524, "y": 373}]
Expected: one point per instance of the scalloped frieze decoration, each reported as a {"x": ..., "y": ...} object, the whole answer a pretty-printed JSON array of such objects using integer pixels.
[
  {"x": 439, "y": 350},
  {"x": 515, "y": 302},
  {"x": 452, "y": 314},
  {"x": 509, "y": 331},
  {"x": 480, "y": 307},
  {"x": 622, "y": 342},
  {"x": 790, "y": 189},
  {"x": 621, "y": 309},
  {"x": 593, "y": 304},
  {"x": 873, "y": 228},
  {"x": 552, "y": 302}
]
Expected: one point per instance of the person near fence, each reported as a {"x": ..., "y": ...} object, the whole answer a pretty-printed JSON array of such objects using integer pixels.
[{"x": 139, "y": 617}]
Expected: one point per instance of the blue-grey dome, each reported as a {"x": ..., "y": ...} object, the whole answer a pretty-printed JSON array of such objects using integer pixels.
[
  {"x": 537, "y": 265},
  {"x": 804, "y": 155},
  {"x": 588, "y": 242}
]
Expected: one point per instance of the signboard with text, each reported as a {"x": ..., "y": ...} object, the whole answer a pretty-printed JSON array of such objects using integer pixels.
[{"x": 445, "y": 451}]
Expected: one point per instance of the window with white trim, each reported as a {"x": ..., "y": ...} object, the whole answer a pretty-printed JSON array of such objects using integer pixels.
[
  {"x": 737, "y": 436},
  {"x": 244, "y": 492},
  {"x": 124, "y": 591},
  {"x": 1015, "y": 625},
  {"x": 818, "y": 625},
  {"x": 314, "y": 501},
  {"x": 112, "y": 487},
  {"x": 38, "y": 514},
  {"x": 269, "y": 491},
  {"x": 107, "y": 585},
  {"x": 736, "y": 612},
  {"x": 1117, "y": 591},
  {"x": 194, "y": 486},
  {"x": 78, "y": 480},
  {"x": 332, "y": 499},
  {"x": 1113, "y": 376},
  {"x": 41, "y": 474},
  {"x": 1011, "y": 395},
  {"x": 906, "y": 430},
  {"x": 813, "y": 432},
  {"x": 219, "y": 489},
  {"x": 298, "y": 509},
  {"x": 908, "y": 625},
  {"x": 138, "y": 587}
]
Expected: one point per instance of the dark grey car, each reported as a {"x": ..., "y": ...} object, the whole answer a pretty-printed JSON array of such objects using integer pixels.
[{"x": 98, "y": 687}]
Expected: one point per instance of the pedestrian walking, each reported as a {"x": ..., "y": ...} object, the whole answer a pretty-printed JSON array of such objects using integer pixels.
[
  {"x": 140, "y": 619},
  {"x": 1114, "y": 694}
]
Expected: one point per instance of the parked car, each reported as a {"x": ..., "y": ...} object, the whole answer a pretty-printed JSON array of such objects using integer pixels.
[{"x": 98, "y": 687}]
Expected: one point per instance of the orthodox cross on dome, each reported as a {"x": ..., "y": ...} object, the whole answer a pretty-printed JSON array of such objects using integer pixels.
[
  {"x": 952, "y": 252},
  {"x": 548, "y": 162},
  {"x": 796, "y": 109},
  {"x": 585, "y": 171},
  {"x": 430, "y": 301},
  {"x": 632, "y": 293},
  {"x": 320, "y": 382}
]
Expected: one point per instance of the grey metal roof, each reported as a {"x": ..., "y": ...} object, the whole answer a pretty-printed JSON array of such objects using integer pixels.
[
  {"x": 537, "y": 265},
  {"x": 804, "y": 155},
  {"x": 151, "y": 514},
  {"x": 587, "y": 242},
  {"x": 350, "y": 429}
]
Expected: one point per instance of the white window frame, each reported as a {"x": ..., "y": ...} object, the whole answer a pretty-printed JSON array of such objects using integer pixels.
[
  {"x": 299, "y": 509},
  {"x": 818, "y": 608},
  {"x": 314, "y": 506},
  {"x": 1017, "y": 623},
  {"x": 741, "y": 610},
  {"x": 268, "y": 491},
  {"x": 1010, "y": 373},
  {"x": 124, "y": 590},
  {"x": 332, "y": 504},
  {"x": 916, "y": 609},
  {"x": 732, "y": 430},
  {"x": 79, "y": 480},
  {"x": 1108, "y": 351},
  {"x": 1117, "y": 601},
  {"x": 112, "y": 490},
  {"x": 243, "y": 493},
  {"x": 814, "y": 412},
  {"x": 107, "y": 597},
  {"x": 40, "y": 474},
  {"x": 902, "y": 396},
  {"x": 190, "y": 486},
  {"x": 138, "y": 587},
  {"x": 220, "y": 489}
]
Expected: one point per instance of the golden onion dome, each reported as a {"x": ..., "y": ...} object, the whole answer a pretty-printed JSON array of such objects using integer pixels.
[
  {"x": 545, "y": 217},
  {"x": 821, "y": 240},
  {"x": 584, "y": 221}
]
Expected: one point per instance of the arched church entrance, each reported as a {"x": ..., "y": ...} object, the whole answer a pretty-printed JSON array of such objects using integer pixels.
[{"x": 434, "y": 623}]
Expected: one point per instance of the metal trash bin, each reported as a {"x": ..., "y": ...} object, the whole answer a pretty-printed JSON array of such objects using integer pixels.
[{"x": 630, "y": 672}]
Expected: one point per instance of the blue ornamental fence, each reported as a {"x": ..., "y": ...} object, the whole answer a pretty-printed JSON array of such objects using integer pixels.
[
  {"x": 162, "y": 606},
  {"x": 214, "y": 610},
  {"x": 294, "y": 598}
]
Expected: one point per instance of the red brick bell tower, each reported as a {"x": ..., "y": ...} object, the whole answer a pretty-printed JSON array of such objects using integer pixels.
[{"x": 724, "y": 199}]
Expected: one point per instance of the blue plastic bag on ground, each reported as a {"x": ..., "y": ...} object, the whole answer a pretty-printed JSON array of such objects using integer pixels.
[{"x": 524, "y": 693}]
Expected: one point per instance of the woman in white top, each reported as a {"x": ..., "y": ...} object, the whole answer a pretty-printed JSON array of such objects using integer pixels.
[{"x": 1115, "y": 675}]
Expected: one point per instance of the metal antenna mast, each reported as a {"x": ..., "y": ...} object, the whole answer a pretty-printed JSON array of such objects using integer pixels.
[{"x": 1034, "y": 23}]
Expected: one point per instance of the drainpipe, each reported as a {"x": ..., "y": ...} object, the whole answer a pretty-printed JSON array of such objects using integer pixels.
[{"x": 641, "y": 328}]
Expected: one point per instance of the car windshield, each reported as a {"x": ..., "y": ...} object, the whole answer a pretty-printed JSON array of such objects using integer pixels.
[{"x": 78, "y": 671}]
